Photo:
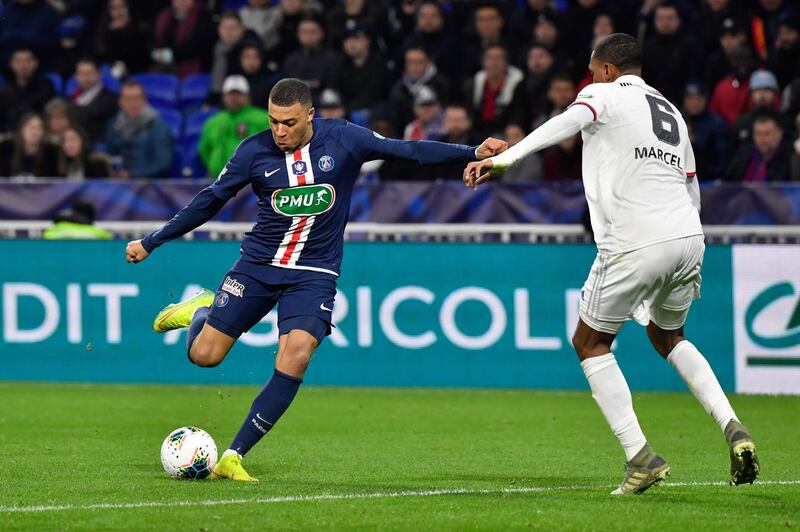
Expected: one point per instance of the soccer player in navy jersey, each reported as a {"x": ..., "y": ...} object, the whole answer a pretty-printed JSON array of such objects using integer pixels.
[{"x": 302, "y": 169}]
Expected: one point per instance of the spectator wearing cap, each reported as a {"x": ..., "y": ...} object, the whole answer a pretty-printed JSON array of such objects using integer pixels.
[
  {"x": 361, "y": 77},
  {"x": 92, "y": 103},
  {"x": 138, "y": 140},
  {"x": 76, "y": 223},
  {"x": 349, "y": 14},
  {"x": 233, "y": 36},
  {"x": 427, "y": 123},
  {"x": 330, "y": 105},
  {"x": 26, "y": 91},
  {"x": 489, "y": 26},
  {"x": 732, "y": 36},
  {"x": 708, "y": 133},
  {"x": 314, "y": 62},
  {"x": 419, "y": 72},
  {"x": 670, "y": 56},
  {"x": 764, "y": 99},
  {"x": 785, "y": 60},
  {"x": 767, "y": 158},
  {"x": 731, "y": 95},
  {"x": 70, "y": 40},
  {"x": 709, "y": 20},
  {"x": 431, "y": 34},
  {"x": 29, "y": 24},
  {"x": 494, "y": 95},
  {"x": 184, "y": 34},
  {"x": 238, "y": 120},
  {"x": 120, "y": 41},
  {"x": 261, "y": 80}
]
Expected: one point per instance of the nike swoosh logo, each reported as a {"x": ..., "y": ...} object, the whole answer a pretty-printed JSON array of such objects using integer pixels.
[
  {"x": 267, "y": 174},
  {"x": 264, "y": 420},
  {"x": 323, "y": 307}
]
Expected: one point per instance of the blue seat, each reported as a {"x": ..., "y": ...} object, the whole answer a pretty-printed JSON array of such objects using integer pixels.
[
  {"x": 195, "y": 122},
  {"x": 191, "y": 165},
  {"x": 233, "y": 5},
  {"x": 56, "y": 81},
  {"x": 161, "y": 89},
  {"x": 174, "y": 120},
  {"x": 194, "y": 90},
  {"x": 360, "y": 117},
  {"x": 110, "y": 82}
]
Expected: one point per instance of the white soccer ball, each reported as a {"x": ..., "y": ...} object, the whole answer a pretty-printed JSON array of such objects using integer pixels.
[{"x": 188, "y": 453}]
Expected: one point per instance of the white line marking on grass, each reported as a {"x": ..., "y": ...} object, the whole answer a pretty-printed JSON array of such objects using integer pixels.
[{"x": 356, "y": 496}]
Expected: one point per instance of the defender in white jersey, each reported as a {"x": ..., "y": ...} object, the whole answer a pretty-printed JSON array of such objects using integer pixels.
[{"x": 644, "y": 202}]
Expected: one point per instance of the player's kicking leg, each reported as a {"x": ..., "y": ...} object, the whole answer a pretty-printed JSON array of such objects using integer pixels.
[
  {"x": 644, "y": 467},
  {"x": 694, "y": 369}
]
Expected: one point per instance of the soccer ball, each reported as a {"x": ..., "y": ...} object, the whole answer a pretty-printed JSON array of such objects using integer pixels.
[{"x": 188, "y": 453}]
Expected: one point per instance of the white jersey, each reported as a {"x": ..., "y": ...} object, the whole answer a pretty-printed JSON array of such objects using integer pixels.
[{"x": 636, "y": 161}]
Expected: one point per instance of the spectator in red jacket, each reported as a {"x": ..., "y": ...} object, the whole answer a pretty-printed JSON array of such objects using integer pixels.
[
  {"x": 731, "y": 96},
  {"x": 184, "y": 35}
]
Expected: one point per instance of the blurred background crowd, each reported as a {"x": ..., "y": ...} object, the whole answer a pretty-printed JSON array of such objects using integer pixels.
[{"x": 168, "y": 88}]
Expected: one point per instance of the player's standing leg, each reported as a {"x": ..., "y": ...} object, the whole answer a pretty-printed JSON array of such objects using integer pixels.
[
  {"x": 696, "y": 372},
  {"x": 644, "y": 467},
  {"x": 294, "y": 354}
]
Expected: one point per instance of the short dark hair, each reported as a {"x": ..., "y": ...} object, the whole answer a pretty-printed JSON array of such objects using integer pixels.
[
  {"x": 763, "y": 118},
  {"x": 133, "y": 84},
  {"x": 621, "y": 50},
  {"x": 290, "y": 91}
]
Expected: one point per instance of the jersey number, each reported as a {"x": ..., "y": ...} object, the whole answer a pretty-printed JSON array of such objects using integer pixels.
[{"x": 665, "y": 126}]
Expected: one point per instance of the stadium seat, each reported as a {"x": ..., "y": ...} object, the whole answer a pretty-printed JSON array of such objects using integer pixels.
[
  {"x": 191, "y": 165},
  {"x": 56, "y": 81},
  {"x": 233, "y": 5},
  {"x": 194, "y": 90},
  {"x": 360, "y": 117},
  {"x": 161, "y": 89},
  {"x": 195, "y": 122},
  {"x": 110, "y": 82},
  {"x": 174, "y": 120}
]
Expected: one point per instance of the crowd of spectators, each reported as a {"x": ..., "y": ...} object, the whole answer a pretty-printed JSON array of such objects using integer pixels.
[{"x": 73, "y": 104}]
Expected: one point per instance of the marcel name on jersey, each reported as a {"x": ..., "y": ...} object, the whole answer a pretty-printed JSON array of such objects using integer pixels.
[{"x": 656, "y": 153}]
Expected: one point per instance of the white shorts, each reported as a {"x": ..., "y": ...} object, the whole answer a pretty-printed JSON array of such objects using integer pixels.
[{"x": 656, "y": 283}]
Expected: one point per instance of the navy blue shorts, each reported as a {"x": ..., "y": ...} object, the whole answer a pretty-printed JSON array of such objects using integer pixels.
[{"x": 249, "y": 291}]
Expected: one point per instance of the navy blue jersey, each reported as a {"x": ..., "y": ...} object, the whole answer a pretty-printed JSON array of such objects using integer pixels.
[{"x": 303, "y": 196}]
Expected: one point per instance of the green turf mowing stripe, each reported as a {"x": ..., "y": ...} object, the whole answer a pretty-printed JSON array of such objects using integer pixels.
[{"x": 357, "y": 496}]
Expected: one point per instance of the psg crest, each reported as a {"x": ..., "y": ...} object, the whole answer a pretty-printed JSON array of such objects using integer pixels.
[
  {"x": 326, "y": 163},
  {"x": 299, "y": 167}
]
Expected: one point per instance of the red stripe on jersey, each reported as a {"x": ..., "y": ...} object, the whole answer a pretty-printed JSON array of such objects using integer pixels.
[
  {"x": 587, "y": 105},
  {"x": 293, "y": 242},
  {"x": 301, "y": 179}
]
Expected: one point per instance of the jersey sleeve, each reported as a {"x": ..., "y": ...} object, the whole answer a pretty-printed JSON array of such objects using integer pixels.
[
  {"x": 235, "y": 175},
  {"x": 595, "y": 98},
  {"x": 366, "y": 145},
  {"x": 691, "y": 176}
]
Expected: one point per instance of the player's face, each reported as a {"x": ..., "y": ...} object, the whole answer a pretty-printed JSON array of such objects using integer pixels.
[
  {"x": 601, "y": 72},
  {"x": 291, "y": 126}
]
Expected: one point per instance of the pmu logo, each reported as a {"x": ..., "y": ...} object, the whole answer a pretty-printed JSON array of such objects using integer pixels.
[{"x": 774, "y": 295}]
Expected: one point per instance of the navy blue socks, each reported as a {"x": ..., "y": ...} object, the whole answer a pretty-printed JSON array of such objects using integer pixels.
[{"x": 267, "y": 409}]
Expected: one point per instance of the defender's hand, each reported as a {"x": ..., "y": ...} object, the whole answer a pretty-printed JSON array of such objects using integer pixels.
[
  {"x": 490, "y": 148},
  {"x": 135, "y": 252},
  {"x": 478, "y": 173}
]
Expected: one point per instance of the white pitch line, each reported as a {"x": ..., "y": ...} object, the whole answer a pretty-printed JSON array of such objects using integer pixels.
[{"x": 352, "y": 496}]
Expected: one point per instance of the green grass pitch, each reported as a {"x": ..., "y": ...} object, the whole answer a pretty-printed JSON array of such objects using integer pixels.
[{"x": 87, "y": 457}]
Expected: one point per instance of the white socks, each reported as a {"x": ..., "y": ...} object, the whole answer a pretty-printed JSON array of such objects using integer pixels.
[
  {"x": 229, "y": 452},
  {"x": 697, "y": 374},
  {"x": 613, "y": 396}
]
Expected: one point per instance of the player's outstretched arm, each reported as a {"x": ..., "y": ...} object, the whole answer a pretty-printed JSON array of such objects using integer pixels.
[{"x": 558, "y": 128}]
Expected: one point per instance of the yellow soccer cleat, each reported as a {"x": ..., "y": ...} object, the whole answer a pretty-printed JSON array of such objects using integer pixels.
[
  {"x": 179, "y": 315},
  {"x": 231, "y": 467}
]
